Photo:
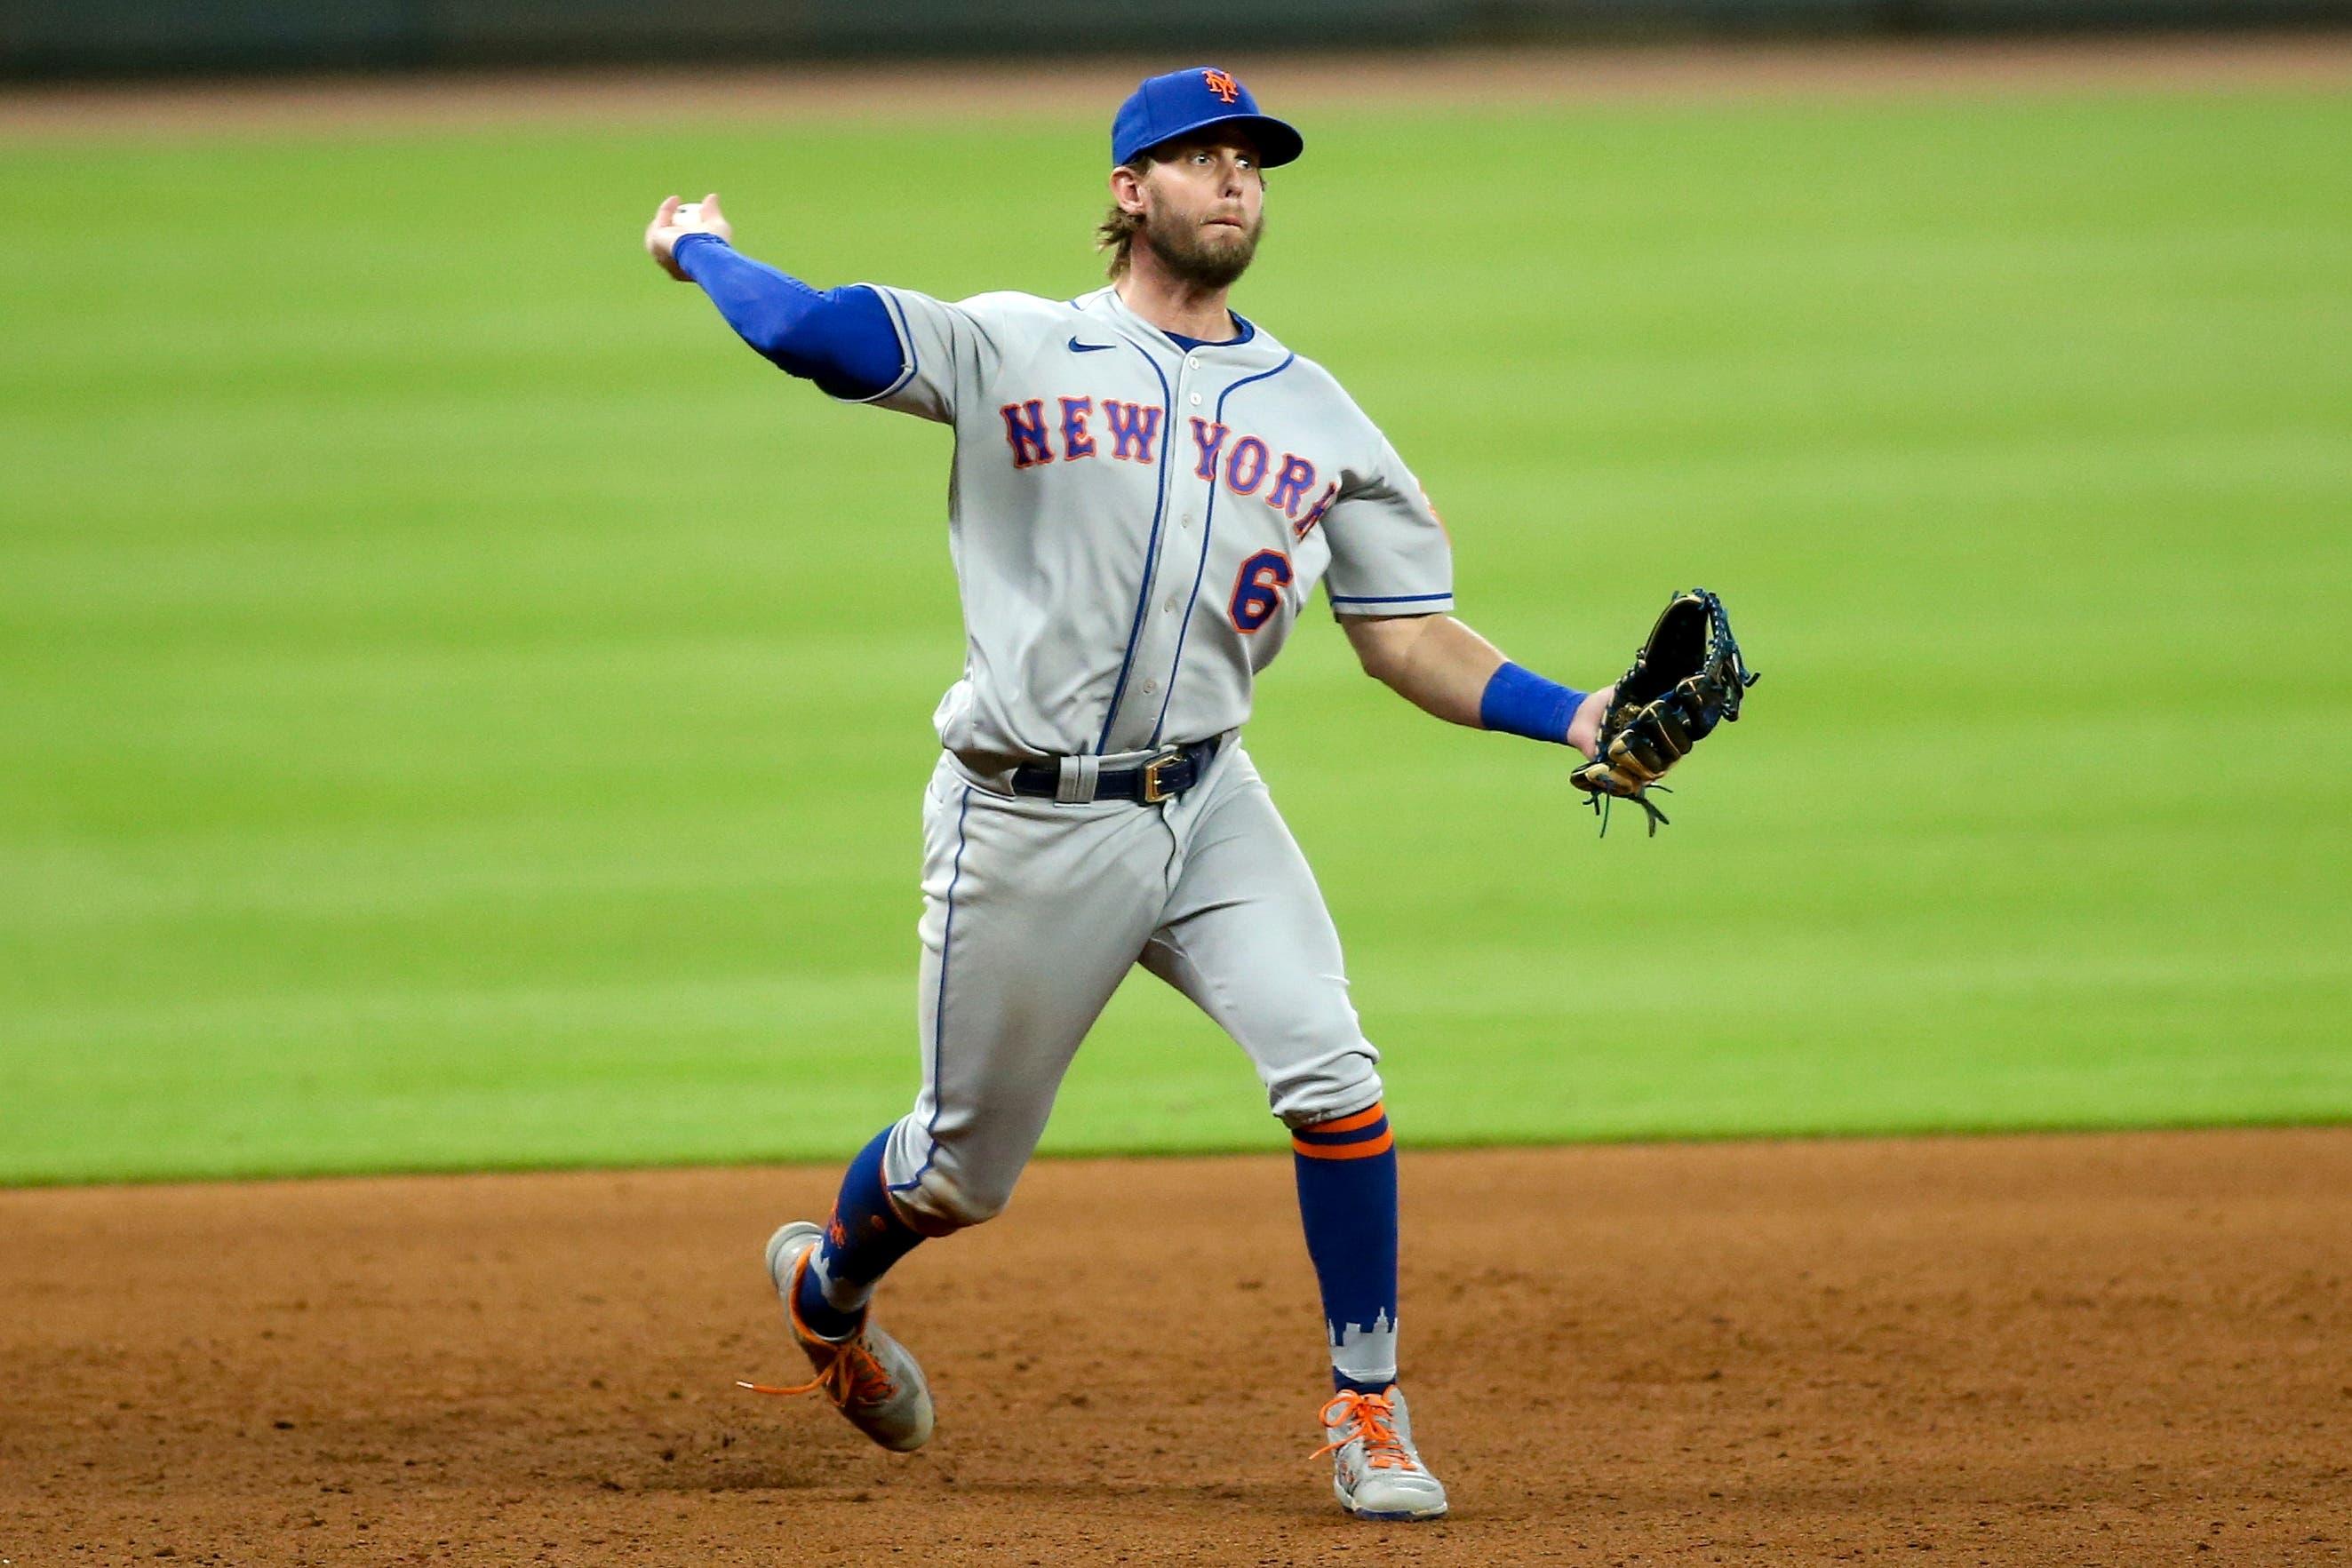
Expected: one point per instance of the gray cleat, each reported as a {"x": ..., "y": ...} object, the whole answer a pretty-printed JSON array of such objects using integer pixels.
[
  {"x": 869, "y": 1375},
  {"x": 1375, "y": 1470}
]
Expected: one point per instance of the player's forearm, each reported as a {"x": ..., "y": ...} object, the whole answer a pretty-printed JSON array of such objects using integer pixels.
[
  {"x": 1433, "y": 661},
  {"x": 840, "y": 339},
  {"x": 1444, "y": 668}
]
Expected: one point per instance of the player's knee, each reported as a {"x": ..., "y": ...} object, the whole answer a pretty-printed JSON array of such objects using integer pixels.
[
  {"x": 1337, "y": 1086},
  {"x": 966, "y": 1205},
  {"x": 938, "y": 1181},
  {"x": 942, "y": 1200}
]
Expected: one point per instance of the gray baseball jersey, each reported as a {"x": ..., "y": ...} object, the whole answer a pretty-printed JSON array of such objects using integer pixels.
[{"x": 1135, "y": 525}]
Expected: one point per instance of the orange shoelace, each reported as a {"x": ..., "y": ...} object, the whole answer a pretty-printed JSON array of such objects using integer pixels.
[
  {"x": 852, "y": 1376},
  {"x": 1368, "y": 1418}
]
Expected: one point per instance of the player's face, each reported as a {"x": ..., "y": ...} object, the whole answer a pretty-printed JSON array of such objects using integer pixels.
[{"x": 1204, "y": 209}]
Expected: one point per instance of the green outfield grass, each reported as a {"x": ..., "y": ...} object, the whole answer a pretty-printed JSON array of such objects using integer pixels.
[{"x": 458, "y": 708}]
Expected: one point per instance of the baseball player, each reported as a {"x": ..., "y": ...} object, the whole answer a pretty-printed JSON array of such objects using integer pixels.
[{"x": 1146, "y": 487}]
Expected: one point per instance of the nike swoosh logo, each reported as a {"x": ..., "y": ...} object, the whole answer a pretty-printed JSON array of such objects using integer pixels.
[{"x": 1079, "y": 348}]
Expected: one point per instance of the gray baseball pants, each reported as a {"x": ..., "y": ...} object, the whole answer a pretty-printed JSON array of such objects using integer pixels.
[{"x": 1034, "y": 910}]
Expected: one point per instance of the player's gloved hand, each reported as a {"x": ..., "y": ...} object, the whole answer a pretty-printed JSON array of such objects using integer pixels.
[
  {"x": 1688, "y": 677},
  {"x": 674, "y": 221}
]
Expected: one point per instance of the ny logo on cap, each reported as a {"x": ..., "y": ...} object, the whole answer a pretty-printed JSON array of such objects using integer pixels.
[{"x": 1222, "y": 84}]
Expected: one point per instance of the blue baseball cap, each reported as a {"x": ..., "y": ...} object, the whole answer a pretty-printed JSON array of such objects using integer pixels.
[{"x": 1182, "y": 102}]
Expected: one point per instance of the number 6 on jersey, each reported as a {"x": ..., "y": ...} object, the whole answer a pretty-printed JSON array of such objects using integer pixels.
[{"x": 1257, "y": 588}]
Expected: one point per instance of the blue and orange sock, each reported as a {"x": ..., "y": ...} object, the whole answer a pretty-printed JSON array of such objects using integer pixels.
[
  {"x": 863, "y": 1239},
  {"x": 1346, "y": 1173}
]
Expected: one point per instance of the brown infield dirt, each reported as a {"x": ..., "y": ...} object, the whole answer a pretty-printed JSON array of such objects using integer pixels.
[{"x": 2093, "y": 1349}]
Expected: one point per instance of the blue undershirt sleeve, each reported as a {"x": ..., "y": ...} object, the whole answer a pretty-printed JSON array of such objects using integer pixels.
[{"x": 841, "y": 338}]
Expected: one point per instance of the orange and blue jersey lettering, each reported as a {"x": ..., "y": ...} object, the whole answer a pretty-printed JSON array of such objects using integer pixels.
[
  {"x": 1209, "y": 438},
  {"x": 1306, "y": 525},
  {"x": 1257, "y": 590},
  {"x": 1250, "y": 454},
  {"x": 1025, "y": 431},
  {"x": 1290, "y": 486},
  {"x": 1076, "y": 442},
  {"x": 1134, "y": 429}
]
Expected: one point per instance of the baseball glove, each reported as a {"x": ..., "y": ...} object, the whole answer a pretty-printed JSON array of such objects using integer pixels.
[{"x": 1687, "y": 677}]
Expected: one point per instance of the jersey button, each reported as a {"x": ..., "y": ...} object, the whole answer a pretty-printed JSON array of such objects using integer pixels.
[
  {"x": 1149, "y": 687},
  {"x": 1196, "y": 400},
  {"x": 1172, "y": 605},
  {"x": 1191, "y": 364}
]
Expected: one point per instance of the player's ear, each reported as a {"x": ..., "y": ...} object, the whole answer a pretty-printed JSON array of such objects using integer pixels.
[{"x": 1127, "y": 188}]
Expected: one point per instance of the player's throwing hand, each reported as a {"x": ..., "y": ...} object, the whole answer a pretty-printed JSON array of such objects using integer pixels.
[{"x": 672, "y": 220}]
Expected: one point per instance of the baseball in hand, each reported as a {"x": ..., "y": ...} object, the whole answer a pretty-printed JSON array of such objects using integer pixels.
[{"x": 687, "y": 215}]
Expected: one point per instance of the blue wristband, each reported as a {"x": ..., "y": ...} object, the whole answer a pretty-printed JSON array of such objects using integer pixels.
[{"x": 1519, "y": 702}]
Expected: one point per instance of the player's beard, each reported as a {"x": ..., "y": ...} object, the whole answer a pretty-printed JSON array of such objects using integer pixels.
[{"x": 1188, "y": 255}]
